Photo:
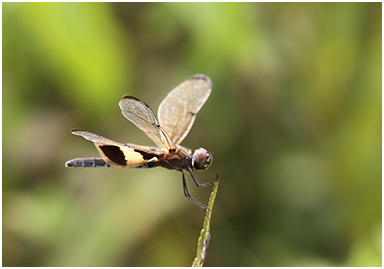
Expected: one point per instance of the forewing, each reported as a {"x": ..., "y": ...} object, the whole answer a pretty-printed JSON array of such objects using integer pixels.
[
  {"x": 142, "y": 116},
  {"x": 178, "y": 110},
  {"x": 118, "y": 154}
]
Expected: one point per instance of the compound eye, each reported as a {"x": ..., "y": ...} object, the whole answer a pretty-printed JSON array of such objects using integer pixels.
[{"x": 201, "y": 159}]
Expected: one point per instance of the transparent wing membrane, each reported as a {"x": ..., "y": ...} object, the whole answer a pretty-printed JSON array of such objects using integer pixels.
[
  {"x": 177, "y": 112},
  {"x": 142, "y": 116}
]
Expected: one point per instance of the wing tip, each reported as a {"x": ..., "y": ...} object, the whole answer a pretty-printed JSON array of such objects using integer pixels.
[
  {"x": 128, "y": 96},
  {"x": 202, "y": 77},
  {"x": 75, "y": 131}
]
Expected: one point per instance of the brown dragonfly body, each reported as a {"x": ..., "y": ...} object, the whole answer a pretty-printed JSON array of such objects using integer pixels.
[{"x": 176, "y": 113}]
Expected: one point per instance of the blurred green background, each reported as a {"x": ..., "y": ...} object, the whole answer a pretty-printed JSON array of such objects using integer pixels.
[{"x": 293, "y": 121}]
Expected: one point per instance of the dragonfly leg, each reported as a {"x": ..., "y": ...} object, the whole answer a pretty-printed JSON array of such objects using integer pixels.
[
  {"x": 189, "y": 197},
  {"x": 209, "y": 183}
]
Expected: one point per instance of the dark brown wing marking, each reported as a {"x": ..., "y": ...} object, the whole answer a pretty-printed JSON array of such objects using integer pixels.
[
  {"x": 114, "y": 154},
  {"x": 146, "y": 155}
]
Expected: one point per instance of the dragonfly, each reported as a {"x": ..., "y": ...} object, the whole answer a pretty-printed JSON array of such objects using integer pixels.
[{"x": 176, "y": 115}]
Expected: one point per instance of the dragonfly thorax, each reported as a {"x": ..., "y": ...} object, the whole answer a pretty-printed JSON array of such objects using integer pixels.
[{"x": 201, "y": 159}]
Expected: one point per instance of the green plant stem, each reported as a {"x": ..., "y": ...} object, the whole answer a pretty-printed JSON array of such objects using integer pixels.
[{"x": 205, "y": 235}]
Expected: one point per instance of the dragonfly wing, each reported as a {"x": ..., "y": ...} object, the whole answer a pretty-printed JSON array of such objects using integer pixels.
[
  {"x": 178, "y": 110},
  {"x": 118, "y": 154},
  {"x": 142, "y": 116}
]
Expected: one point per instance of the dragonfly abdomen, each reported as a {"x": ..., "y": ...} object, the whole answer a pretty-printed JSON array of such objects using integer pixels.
[{"x": 87, "y": 162}]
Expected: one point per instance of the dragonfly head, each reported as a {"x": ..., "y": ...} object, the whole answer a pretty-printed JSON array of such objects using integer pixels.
[{"x": 201, "y": 159}]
